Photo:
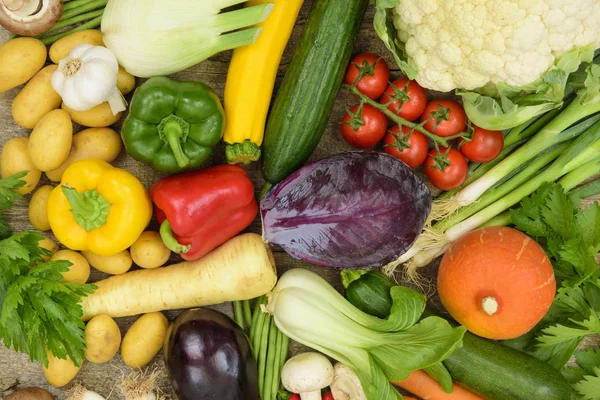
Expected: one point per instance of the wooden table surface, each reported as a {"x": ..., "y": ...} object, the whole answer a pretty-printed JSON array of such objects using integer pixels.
[{"x": 102, "y": 378}]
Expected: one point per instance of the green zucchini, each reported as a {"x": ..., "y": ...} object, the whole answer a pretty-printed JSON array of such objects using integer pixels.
[
  {"x": 307, "y": 94},
  {"x": 486, "y": 367}
]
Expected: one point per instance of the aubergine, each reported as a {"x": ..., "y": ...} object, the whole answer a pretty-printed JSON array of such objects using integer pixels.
[{"x": 208, "y": 356}]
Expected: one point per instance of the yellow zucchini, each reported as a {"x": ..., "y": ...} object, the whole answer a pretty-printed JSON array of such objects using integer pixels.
[{"x": 250, "y": 82}]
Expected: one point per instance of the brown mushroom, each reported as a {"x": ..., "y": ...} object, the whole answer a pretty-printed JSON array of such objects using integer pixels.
[{"x": 30, "y": 17}]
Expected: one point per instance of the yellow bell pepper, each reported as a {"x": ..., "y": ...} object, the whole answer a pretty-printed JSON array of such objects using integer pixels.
[
  {"x": 250, "y": 82},
  {"x": 99, "y": 208}
]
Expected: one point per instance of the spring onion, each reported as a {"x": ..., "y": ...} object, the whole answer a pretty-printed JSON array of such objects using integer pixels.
[
  {"x": 310, "y": 311},
  {"x": 161, "y": 37},
  {"x": 577, "y": 163}
]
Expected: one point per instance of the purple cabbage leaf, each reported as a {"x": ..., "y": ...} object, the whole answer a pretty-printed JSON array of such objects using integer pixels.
[{"x": 350, "y": 210}]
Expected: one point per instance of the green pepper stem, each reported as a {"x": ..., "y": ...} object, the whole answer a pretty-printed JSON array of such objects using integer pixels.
[
  {"x": 90, "y": 209},
  {"x": 166, "y": 233},
  {"x": 173, "y": 132}
]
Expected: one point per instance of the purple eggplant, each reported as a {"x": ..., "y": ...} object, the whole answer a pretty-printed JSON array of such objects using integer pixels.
[
  {"x": 208, "y": 357},
  {"x": 350, "y": 210}
]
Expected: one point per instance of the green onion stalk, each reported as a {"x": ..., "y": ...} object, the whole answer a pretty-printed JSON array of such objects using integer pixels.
[{"x": 578, "y": 162}]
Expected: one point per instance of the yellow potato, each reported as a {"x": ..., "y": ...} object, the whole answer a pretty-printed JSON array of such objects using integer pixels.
[
  {"x": 149, "y": 251},
  {"x": 79, "y": 272},
  {"x": 63, "y": 47},
  {"x": 114, "y": 265},
  {"x": 15, "y": 158},
  {"x": 144, "y": 339},
  {"x": 60, "y": 372},
  {"x": 38, "y": 215},
  {"x": 125, "y": 81},
  {"x": 20, "y": 60},
  {"x": 49, "y": 244},
  {"x": 94, "y": 143},
  {"x": 98, "y": 117},
  {"x": 51, "y": 139},
  {"x": 102, "y": 338},
  {"x": 36, "y": 99}
]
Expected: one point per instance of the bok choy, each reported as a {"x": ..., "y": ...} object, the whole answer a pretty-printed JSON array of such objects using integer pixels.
[
  {"x": 310, "y": 311},
  {"x": 161, "y": 37}
]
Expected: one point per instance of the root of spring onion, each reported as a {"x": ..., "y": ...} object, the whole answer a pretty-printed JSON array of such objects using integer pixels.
[{"x": 143, "y": 385}]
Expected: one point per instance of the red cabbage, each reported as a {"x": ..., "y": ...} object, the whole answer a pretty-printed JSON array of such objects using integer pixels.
[{"x": 350, "y": 210}]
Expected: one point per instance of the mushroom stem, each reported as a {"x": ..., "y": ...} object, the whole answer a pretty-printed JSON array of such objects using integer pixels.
[
  {"x": 489, "y": 305},
  {"x": 23, "y": 7},
  {"x": 316, "y": 395}
]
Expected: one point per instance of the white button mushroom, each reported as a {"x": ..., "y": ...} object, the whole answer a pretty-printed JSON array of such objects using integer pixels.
[
  {"x": 346, "y": 384},
  {"x": 30, "y": 17},
  {"x": 306, "y": 374}
]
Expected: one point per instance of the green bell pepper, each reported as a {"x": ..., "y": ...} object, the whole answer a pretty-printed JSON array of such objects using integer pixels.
[{"x": 173, "y": 125}]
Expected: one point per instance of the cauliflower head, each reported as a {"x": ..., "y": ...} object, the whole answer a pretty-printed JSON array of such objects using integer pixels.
[{"x": 471, "y": 44}]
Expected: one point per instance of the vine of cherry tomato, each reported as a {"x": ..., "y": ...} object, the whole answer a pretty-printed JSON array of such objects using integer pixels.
[{"x": 365, "y": 126}]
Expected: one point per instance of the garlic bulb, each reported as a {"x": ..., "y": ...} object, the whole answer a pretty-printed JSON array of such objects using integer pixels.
[{"x": 87, "y": 77}]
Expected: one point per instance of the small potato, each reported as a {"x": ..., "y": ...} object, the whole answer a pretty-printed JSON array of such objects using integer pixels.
[
  {"x": 102, "y": 338},
  {"x": 94, "y": 143},
  {"x": 79, "y": 272},
  {"x": 114, "y": 265},
  {"x": 149, "y": 251},
  {"x": 36, "y": 99},
  {"x": 60, "y": 372},
  {"x": 125, "y": 81},
  {"x": 51, "y": 139},
  {"x": 63, "y": 47},
  {"x": 20, "y": 60},
  {"x": 144, "y": 339},
  {"x": 98, "y": 117},
  {"x": 49, "y": 244},
  {"x": 38, "y": 215},
  {"x": 31, "y": 393},
  {"x": 15, "y": 158}
]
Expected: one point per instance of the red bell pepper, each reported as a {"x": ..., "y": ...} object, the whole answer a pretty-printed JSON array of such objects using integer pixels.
[{"x": 200, "y": 210}]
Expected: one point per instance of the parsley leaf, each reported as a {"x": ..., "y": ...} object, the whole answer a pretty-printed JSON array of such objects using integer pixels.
[
  {"x": 8, "y": 198},
  {"x": 38, "y": 312},
  {"x": 589, "y": 386},
  {"x": 571, "y": 238}
]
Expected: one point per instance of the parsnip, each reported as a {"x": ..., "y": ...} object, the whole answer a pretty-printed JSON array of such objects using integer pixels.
[{"x": 242, "y": 268}]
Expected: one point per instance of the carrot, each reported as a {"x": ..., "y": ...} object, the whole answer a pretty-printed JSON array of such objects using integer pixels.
[
  {"x": 427, "y": 388},
  {"x": 240, "y": 269}
]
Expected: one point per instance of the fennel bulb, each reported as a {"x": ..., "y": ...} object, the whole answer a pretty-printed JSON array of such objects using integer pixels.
[
  {"x": 310, "y": 311},
  {"x": 160, "y": 37}
]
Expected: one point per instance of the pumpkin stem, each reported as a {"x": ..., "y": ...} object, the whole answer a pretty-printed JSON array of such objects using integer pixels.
[{"x": 489, "y": 305}]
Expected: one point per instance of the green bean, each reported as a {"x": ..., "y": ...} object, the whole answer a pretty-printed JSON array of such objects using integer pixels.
[
  {"x": 270, "y": 371},
  {"x": 275, "y": 364},
  {"x": 255, "y": 315},
  {"x": 75, "y": 20},
  {"x": 93, "y": 5},
  {"x": 237, "y": 314},
  {"x": 94, "y": 23},
  {"x": 262, "y": 354},
  {"x": 258, "y": 337},
  {"x": 247, "y": 313},
  {"x": 74, "y": 4}
]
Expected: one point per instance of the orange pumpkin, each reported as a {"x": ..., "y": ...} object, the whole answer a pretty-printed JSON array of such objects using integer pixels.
[{"x": 497, "y": 282}]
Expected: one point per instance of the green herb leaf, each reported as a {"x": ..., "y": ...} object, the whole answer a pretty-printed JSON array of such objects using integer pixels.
[
  {"x": 558, "y": 333},
  {"x": 589, "y": 387},
  {"x": 588, "y": 359},
  {"x": 8, "y": 197},
  {"x": 38, "y": 312}
]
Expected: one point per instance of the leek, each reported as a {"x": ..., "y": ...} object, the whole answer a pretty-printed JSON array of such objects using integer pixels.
[
  {"x": 161, "y": 37},
  {"x": 307, "y": 309}
]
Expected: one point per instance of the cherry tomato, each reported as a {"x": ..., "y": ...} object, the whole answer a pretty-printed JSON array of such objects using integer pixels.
[
  {"x": 328, "y": 396},
  {"x": 294, "y": 397},
  {"x": 415, "y": 154},
  {"x": 374, "y": 83},
  {"x": 413, "y": 106},
  {"x": 454, "y": 173},
  {"x": 456, "y": 117},
  {"x": 484, "y": 146},
  {"x": 370, "y": 132}
]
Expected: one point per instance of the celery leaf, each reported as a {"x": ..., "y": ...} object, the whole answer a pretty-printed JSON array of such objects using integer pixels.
[{"x": 589, "y": 386}]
